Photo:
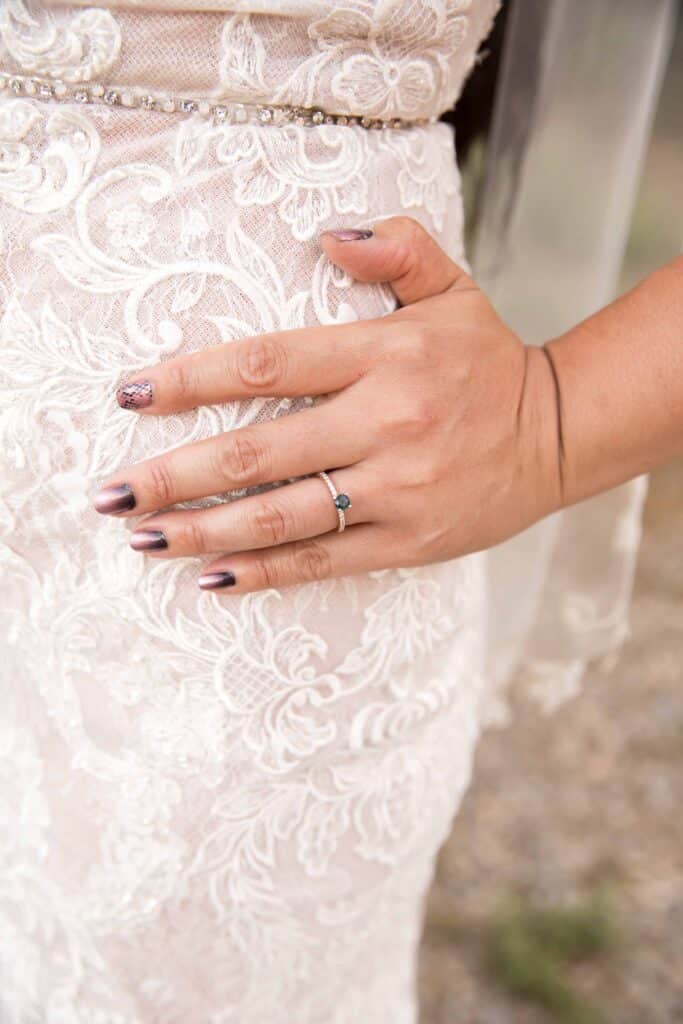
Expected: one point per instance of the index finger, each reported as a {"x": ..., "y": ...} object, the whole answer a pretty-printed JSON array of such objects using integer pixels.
[{"x": 301, "y": 361}]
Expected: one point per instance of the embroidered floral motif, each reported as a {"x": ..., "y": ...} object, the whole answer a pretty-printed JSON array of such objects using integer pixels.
[
  {"x": 394, "y": 58},
  {"x": 409, "y": 46},
  {"x": 220, "y": 798},
  {"x": 46, "y": 155},
  {"x": 130, "y": 228},
  {"x": 278, "y": 171},
  {"x": 76, "y": 48}
]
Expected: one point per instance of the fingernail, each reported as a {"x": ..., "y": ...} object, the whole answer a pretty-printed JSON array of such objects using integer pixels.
[
  {"x": 135, "y": 396},
  {"x": 350, "y": 234},
  {"x": 114, "y": 499},
  {"x": 148, "y": 540},
  {"x": 214, "y": 580}
]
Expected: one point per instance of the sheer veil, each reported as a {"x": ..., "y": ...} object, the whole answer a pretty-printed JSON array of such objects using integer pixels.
[{"x": 568, "y": 137}]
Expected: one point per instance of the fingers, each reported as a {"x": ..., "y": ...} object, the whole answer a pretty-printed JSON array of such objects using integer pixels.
[
  {"x": 284, "y": 514},
  {"x": 305, "y": 361},
  {"x": 400, "y": 252},
  {"x": 329, "y": 434},
  {"x": 358, "y": 549}
]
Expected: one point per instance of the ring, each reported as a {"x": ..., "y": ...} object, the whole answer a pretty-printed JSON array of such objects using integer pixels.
[{"x": 341, "y": 500}]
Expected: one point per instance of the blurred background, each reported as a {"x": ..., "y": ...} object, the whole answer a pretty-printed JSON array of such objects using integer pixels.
[{"x": 559, "y": 895}]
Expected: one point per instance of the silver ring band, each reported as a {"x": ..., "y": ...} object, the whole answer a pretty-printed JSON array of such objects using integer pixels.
[{"x": 341, "y": 500}]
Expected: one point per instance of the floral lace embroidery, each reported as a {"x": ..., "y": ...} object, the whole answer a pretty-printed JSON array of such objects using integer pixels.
[
  {"x": 219, "y": 800},
  {"x": 69, "y": 149},
  {"x": 75, "y": 49}
]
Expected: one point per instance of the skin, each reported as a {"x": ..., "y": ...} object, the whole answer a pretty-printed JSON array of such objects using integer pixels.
[{"x": 447, "y": 431}]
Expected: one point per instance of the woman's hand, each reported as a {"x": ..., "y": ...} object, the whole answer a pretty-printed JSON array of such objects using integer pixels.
[{"x": 440, "y": 425}]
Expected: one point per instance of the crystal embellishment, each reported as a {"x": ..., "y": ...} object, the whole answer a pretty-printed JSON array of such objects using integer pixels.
[{"x": 222, "y": 112}]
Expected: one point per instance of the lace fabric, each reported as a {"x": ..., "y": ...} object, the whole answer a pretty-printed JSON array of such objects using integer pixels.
[
  {"x": 226, "y": 809},
  {"x": 400, "y": 59},
  {"x": 212, "y": 809}
]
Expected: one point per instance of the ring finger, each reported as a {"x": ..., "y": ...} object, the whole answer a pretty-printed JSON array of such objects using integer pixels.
[{"x": 291, "y": 512}]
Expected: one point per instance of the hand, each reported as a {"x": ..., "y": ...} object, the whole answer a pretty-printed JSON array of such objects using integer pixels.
[{"x": 441, "y": 423}]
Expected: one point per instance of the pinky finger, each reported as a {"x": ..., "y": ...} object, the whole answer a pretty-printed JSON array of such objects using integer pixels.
[{"x": 360, "y": 548}]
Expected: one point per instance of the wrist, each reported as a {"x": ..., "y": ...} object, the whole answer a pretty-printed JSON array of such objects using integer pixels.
[
  {"x": 619, "y": 387},
  {"x": 541, "y": 425}
]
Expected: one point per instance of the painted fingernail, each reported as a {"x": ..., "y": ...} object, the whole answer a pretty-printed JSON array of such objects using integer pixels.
[
  {"x": 148, "y": 540},
  {"x": 114, "y": 499},
  {"x": 350, "y": 234},
  {"x": 214, "y": 580},
  {"x": 135, "y": 396}
]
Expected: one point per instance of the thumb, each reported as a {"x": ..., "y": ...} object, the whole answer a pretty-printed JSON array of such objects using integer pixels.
[{"x": 399, "y": 252}]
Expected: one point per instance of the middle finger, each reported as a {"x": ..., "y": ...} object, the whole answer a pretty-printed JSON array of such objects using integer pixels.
[{"x": 286, "y": 447}]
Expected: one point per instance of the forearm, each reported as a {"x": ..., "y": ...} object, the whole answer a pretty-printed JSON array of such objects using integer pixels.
[{"x": 619, "y": 380}]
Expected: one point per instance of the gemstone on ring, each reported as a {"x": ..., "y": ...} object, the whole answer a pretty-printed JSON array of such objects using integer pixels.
[{"x": 340, "y": 500}]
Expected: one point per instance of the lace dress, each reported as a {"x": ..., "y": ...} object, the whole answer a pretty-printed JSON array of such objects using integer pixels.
[{"x": 212, "y": 809}]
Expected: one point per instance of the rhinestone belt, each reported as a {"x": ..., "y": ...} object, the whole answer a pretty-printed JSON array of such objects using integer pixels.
[{"x": 227, "y": 112}]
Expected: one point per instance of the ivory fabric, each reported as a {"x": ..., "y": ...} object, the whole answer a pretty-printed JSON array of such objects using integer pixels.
[{"x": 212, "y": 809}]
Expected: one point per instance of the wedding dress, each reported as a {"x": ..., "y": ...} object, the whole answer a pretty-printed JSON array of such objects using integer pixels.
[{"x": 212, "y": 809}]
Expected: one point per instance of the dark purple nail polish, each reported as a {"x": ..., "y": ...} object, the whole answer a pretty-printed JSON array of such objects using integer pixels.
[
  {"x": 148, "y": 540},
  {"x": 114, "y": 499},
  {"x": 214, "y": 580},
  {"x": 135, "y": 396},
  {"x": 350, "y": 234}
]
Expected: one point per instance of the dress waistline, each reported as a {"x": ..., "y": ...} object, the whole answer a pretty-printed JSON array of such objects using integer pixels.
[{"x": 224, "y": 112}]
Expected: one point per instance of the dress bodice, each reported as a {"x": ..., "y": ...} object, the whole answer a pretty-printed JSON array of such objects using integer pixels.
[{"x": 380, "y": 58}]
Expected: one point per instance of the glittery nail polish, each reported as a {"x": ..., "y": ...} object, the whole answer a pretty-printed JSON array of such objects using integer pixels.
[
  {"x": 114, "y": 499},
  {"x": 135, "y": 396},
  {"x": 214, "y": 580},
  {"x": 350, "y": 234},
  {"x": 148, "y": 540}
]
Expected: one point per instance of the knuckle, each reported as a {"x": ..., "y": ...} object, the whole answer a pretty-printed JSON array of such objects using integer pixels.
[
  {"x": 417, "y": 546},
  {"x": 272, "y": 524},
  {"x": 412, "y": 419},
  {"x": 434, "y": 541},
  {"x": 424, "y": 473},
  {"x": 402, "y": 260},
  {"x": 311, "y": 561},
  {"x": 241, "y": 460},
  {"x": 261, "y": 363},
  {"x": 409, "y": 229},
  {"x": 420, "y": 412},
  {"x": 429, "y": 473},
  {"x": 409, "y": 242},
  {"x": 417, "y": 344},
  {"x": 181, "y": 381},
  {"x": 194, "y": 536},
  {"x": 160, "y": 483},
  {"x": 409, "y": 342},
  {"x": 265, "y": 573}
]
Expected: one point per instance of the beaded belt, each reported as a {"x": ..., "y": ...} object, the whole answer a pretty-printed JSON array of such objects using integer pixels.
[{"x": 229, "y": 113}]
